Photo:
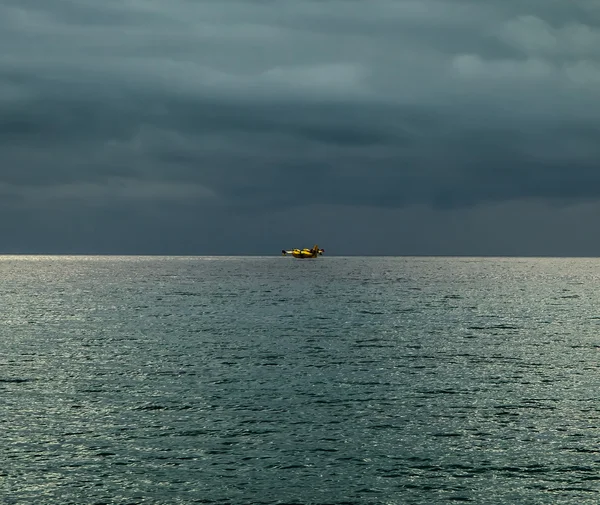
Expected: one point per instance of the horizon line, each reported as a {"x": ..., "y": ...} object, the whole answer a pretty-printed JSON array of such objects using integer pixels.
[{"x": 256, "y": 255}]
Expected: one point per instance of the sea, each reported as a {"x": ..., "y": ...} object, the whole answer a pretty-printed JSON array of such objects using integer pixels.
[{"x": 273, "y": 380}]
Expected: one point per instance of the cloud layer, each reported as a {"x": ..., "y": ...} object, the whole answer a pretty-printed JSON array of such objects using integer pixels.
[{"x": 184, "y": 118}]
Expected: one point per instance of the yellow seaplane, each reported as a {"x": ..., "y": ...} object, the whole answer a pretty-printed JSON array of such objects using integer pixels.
[{"x": 304, "y": 253}]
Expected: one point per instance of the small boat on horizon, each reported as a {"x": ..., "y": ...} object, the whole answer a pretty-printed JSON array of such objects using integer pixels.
[{"x": 304, "y": 253}]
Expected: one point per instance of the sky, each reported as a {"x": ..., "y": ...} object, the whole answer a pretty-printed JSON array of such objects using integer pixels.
[{"x": 380, "y": 127}]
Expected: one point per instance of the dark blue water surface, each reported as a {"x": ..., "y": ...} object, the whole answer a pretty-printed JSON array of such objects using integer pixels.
[{"x": 273, "y": 380}]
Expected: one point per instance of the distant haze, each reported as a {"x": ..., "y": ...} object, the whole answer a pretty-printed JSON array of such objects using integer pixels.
[{"x": 463, "y": 127}]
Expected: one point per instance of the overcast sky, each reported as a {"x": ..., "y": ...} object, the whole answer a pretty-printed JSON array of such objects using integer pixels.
[{"x": 247, "y": 126}]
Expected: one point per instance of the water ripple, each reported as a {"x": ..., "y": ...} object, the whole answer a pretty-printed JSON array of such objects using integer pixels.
[{"x": 256, "y": 380}]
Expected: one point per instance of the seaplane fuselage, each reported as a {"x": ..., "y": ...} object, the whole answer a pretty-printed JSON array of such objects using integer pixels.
[{"x": 304, "y": 253}]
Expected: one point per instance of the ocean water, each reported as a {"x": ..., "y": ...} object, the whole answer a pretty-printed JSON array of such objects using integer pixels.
[{"x": 266, "y": 380}]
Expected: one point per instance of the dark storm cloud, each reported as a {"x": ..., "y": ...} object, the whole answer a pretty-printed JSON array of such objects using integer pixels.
[{"x": 151, "y": 108}]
